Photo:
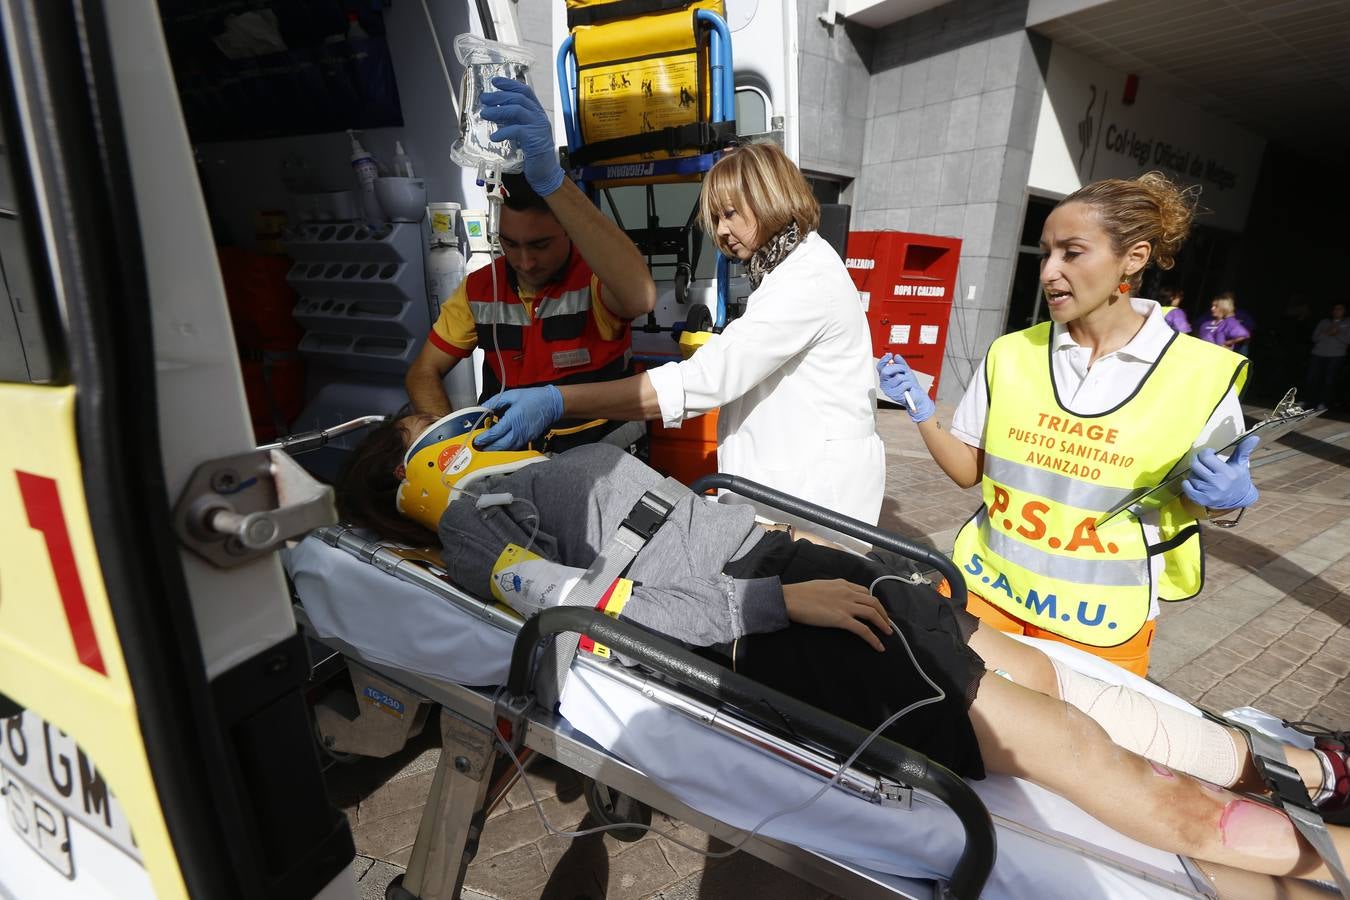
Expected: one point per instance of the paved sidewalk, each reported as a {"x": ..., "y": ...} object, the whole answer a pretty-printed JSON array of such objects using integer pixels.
[{"x": 1271, "y": 629}]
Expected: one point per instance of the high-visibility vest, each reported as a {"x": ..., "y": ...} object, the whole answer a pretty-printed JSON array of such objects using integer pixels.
[
  {"x": 1031, "y": 549},
  {"x": 559, "y": 344}
]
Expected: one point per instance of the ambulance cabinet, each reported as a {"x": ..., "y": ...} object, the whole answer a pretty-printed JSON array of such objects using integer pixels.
[{"x": 907, "y": 283}]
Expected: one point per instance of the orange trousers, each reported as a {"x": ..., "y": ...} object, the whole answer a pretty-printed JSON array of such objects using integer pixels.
[{"x": 1132, "y": 656}]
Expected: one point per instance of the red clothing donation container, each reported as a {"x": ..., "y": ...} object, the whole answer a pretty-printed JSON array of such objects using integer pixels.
[{"x": 907, "y": 283}]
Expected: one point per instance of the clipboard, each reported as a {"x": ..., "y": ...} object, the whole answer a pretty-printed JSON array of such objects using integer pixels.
[{"x": 1286, "y": 417}]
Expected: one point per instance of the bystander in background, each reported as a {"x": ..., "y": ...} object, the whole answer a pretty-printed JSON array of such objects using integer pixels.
[
  {"x": 1175, "y": 317},
  {"x": 1331, "y": 338},
  {"x": 1223, "y": 327}
]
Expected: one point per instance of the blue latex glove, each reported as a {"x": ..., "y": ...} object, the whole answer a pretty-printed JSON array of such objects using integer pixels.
[
  {"x": 899, "y": 383},
  {"x": 1223, "y": 485},
  {"x": 514, "y": 107},
  {"x": 525, "y": 414}
]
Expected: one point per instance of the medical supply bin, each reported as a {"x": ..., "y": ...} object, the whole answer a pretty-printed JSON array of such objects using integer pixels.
[{"x": 907, "y": 283}]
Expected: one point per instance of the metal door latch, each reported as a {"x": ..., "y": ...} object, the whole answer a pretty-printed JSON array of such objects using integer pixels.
[{"x": 238, "y": 508}]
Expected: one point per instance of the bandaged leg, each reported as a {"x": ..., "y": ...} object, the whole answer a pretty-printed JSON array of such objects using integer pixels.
[{"x": 1154, "y": 730}]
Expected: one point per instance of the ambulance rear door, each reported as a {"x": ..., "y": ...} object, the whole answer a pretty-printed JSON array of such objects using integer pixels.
[{"x": 153, "y": 735}]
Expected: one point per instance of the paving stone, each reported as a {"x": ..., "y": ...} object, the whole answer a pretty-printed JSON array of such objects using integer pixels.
[
  {"x": 516, "y": 875},
  {"x": 519, "y": 827},
  {"x": 1302, "y": 697},
  {"x": 1217, "y": 662},
  {"x": 1254, "y": 585},
  {"x": 1264, "y": 630},
  {"x": 1318, "y": 625},
  {"x": 1338, "y": 608},
  {"x": 376, "y": 878},
  {"x": 1275, "y": 667},
  {"x": 381, "y": 838},
  {"x": 1251, "y": 682},
  {"x": 397, "y": 796},
  {"x": 1239, "y": 604},
  {"x": 1186, "y": 686},
  {"x": 1224, "y": 696},
  {"x": 1331, "y": 663},
  {"x": 683, "y": 860},
  {"x": 1240, "y": 646},
  {"x": 1313, "y": 679},
  {"x": 1302, "y": 642},
  {"x": 638, "y": 872}
]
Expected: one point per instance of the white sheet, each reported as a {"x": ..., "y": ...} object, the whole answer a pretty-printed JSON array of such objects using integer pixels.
[{"x": 396, "y": 623}]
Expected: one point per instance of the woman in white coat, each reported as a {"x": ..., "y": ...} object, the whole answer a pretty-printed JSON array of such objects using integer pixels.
[{"x": 793, "y": 376}]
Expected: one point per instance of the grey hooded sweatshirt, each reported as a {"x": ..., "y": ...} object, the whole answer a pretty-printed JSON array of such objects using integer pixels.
[{"x": 580, "y": 497}]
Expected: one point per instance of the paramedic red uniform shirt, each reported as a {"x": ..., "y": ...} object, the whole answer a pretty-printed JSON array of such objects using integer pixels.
[{"x": 563, "y": 333}]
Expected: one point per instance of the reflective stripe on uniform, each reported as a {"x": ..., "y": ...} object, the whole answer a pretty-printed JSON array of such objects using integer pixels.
[
  {"x": 1052, "y": 485},
  {"x": 492, "y": 313},
  {"x": 1101, "y": 572},
  {"x": 566, "y": 304}
]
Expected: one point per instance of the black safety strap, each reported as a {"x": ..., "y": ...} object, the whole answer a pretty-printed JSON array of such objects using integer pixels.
[
  {"x": 701, "y": 136},
  {"x": 620, "y": 9},
  {"x": 643, "y": 521}
]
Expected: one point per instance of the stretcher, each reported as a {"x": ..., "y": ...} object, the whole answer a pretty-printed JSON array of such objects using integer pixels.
[{"x": 893, "y": 826}]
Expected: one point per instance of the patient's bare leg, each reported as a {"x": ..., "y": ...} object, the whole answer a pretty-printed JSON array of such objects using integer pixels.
[
  {"x": 1230, "y": 882},
  {"x": 1033, "y": 736},
  {"x": 1197, "y": 746}
]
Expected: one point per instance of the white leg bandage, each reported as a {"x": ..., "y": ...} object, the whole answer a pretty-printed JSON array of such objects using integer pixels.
[{"x": 1153, "y": 729}]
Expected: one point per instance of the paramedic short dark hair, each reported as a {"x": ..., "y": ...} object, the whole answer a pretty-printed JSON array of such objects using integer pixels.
[{"x": 520, "y": 197}]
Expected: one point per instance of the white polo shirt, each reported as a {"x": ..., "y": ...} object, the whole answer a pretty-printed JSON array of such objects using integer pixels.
[{"x": 1090, "y": 390}]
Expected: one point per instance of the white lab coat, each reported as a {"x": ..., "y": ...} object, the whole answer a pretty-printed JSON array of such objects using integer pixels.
[{"x": 796, "y": 384}]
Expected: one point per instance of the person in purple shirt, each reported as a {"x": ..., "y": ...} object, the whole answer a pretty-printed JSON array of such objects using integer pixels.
[
  {"x": 1223, "y": 328},
  {"x": 1175, "y": 317}
]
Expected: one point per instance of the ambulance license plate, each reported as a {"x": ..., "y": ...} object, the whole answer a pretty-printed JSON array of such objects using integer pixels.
[
  {"x": 50, "y": 786},
  {"x": 39, "y": 821}
]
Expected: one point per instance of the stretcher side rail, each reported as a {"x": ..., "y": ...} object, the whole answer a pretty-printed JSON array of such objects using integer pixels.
[
  {"x": 854, "y": 528},
  {"x": 976, "y": 861}
]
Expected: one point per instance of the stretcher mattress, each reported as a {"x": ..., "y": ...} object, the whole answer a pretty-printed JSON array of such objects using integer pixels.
[{"x": 1047, "y": 847}]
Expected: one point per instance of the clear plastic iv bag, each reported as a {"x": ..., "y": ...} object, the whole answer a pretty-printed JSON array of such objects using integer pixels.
[{"x": 483, "y": 61}]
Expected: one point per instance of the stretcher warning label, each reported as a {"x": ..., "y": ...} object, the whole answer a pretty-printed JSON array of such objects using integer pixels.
[{"x": 638, "y": 97}]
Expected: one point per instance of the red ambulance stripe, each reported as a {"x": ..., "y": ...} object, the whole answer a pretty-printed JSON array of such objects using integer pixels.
[{"x": 43, "y": 503}]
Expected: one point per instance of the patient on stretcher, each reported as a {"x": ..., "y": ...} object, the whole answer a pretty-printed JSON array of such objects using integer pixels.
[{"x": 827, "y": 626}]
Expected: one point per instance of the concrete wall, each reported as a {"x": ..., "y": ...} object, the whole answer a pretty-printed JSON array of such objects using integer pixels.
[
  {"x": 834, "y": 85},
  {"x": 949, "y": 123}
]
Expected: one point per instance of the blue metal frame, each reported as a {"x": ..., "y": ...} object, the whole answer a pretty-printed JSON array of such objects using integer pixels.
[{"x": 567, "y": 85}]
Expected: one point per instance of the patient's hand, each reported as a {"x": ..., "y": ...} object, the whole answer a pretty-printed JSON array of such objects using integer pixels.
[{"x": 837, "y": 604}]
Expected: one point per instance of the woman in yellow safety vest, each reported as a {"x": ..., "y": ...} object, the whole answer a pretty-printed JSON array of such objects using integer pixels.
[{"x": 1073, "y": 414}]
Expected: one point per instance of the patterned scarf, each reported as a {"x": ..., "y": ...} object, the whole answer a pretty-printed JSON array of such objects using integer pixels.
[{"x": 775, "y": 250}]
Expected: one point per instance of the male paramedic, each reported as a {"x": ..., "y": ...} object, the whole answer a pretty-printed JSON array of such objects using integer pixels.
[{"x": 555, "y": 309}]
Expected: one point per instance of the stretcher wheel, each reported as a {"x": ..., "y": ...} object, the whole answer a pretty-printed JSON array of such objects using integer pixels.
[
  {"x": 684, "y": 276},
  {"x": 699, "y": 318},
  {"x": 613, "y": 808},
  {"x": 395, "y": 890}
]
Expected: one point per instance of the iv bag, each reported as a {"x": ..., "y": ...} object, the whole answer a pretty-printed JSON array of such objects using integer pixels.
[{"x": 483, "y": 61}]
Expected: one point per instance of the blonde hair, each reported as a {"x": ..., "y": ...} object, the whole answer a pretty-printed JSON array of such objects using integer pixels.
[
  {"x": 1226, "y": 302},
  {"x": 761, "y": 179},
  {"x": 1149, "y": 208}
]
